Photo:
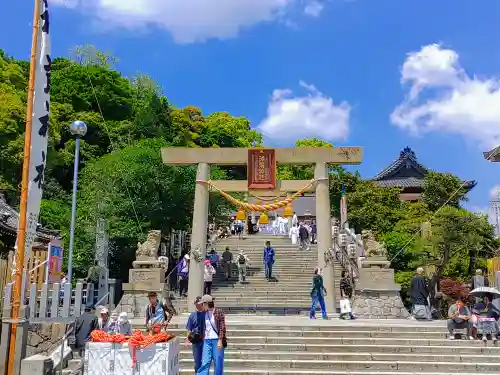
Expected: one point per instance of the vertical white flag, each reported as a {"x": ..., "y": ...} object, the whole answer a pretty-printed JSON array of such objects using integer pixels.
[
  {"x": 343, "y": 208},
  {"x": 40, "y": 126}
]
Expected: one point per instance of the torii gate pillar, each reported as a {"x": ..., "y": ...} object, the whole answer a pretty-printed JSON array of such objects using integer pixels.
[
  {"x": 262, "y": 177},
  {"x": 199, "y": 232}
]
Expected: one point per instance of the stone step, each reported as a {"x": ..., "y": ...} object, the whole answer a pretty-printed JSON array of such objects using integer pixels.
[
  {"x": 255, "y": 287},
  {"x": 255, "y": 301},
  {"x": 353, "y": 341},
  {"x": 236, "y": 371},
  {"x": 332, "y": 365},
  {"x": 222, "y": 294},
  {"x": 360, "y": 349},
  {"x": 351, "y": 357},
  {"x": 285, "y": 272},
  {"x": 333, "y": 333},
  {"x": 267, "y": 308},
  {"x": 237, "y": 323}
]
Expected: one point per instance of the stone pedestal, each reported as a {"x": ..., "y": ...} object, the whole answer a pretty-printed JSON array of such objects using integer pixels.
[
  {"x": 376, "y": 295},
  {"x": 135, "y": 292}
]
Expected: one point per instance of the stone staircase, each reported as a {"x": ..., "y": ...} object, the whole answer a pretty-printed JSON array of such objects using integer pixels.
[
  {"x": 295, "y": 345},
  {"x": 289, "y": 294}
]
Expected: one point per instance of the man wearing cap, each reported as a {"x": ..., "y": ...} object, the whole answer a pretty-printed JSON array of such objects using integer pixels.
[
  {"x": 183, "y": 273},
  {"x": 214, "y": 338},
  {"x": 155, "y": 312},
  {"x": 195, "y": 327}
]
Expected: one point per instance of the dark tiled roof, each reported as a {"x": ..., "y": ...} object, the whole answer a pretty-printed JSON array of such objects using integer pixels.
[
  {"x": 407, "y": 159},
  {"x": 9, "y": 218},
  {"x": 401, "y": 183},
  {"x": 407, "y": 172},
  {"x": 492, "y": 155}
]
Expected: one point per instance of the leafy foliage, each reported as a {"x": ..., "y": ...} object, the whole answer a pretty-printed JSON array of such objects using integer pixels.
[{"x": 442, "y": 189}]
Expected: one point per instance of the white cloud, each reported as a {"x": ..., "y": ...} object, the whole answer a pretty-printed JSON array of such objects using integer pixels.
[
  {"x": 443, "y": 97},
  {"x": 190, "y": 21},
  {"x": 495, "y": 192},
  {"x": 313, "y": 8},
  {"x": 292, "y": 117}
]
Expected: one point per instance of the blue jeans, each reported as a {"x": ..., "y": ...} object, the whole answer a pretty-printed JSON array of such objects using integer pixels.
[
  {"x": 197, "y": 354},
  {"x": 315, "y": 300},
  {"x": 269, "y": 270},
  {"x": 211, "y": 353}
]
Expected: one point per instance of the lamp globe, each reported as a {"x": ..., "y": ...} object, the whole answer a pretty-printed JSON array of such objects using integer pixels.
[{"x": 78, "y": 128}]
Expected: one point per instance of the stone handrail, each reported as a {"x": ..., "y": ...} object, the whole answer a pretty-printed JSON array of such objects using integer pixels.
[
  {"x": 353, "y": 236},
  {"x": 348, "y": 264}
]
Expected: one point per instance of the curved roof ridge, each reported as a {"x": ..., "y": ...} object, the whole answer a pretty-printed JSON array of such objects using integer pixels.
[{"x": 407, "y": 158}]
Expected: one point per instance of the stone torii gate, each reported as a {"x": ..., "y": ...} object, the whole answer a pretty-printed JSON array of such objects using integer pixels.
[{"x": 262, "y": 180}]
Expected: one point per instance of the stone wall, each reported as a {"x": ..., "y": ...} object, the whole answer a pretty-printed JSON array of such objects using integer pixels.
[
  {"x": 44, "y": 338},
  {"x": 379, "y": 305}
]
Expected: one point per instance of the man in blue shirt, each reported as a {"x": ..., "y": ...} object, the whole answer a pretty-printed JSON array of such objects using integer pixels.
[
  {"x": 195, "y": 327},
  {"x": 268, "y": 260}
]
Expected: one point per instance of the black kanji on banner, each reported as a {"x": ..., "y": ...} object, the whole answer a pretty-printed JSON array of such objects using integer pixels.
[
  {"x": 48, "y": 73},
  {"x": 45, "y": 18},
  {"x": 40, "y": 169},
  {"x": 44, "y": 124}
]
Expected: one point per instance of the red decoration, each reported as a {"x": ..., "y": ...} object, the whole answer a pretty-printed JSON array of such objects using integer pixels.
[{"x": 261, "y": 169}]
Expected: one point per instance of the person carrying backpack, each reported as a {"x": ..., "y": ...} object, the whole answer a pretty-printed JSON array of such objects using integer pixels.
[
  {"x": 157, "y": 313},
  {"x": 242, "y": 262}
]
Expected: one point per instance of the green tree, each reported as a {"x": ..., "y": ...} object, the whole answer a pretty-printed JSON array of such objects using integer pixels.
[
  {"x": 136, "y": 192},
  {"x": 375, "y": 208},
  {"x": 454, "y": 233},
  {"x": 301, "y": 172},
  {"x": 443, "y": 189}
]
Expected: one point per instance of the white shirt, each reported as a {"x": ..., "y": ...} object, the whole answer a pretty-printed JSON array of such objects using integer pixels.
[
  {"x": 295, "y": 220},
  {"x": 209, "y": 272},
  {"x": 294, "y": 234},
  {"x": 209, "y": 324}
]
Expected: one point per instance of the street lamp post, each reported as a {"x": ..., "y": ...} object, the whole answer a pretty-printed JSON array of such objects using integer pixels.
[{"x": 78, "y": 129}]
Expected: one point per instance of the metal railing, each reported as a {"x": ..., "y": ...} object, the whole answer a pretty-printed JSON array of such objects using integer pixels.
[{"x": 61, "y": 352}]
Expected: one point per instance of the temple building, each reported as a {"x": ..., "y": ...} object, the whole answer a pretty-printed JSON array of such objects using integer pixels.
[
  {"x": 9, "y": 218},
  {"x": 407, "y": 174}
]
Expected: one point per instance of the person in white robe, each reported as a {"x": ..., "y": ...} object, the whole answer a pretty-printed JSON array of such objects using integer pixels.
[
  {"x": 282, "y": 226},
  {"x": 276, "y": 224},
  {"x": 294, "y": 234}
]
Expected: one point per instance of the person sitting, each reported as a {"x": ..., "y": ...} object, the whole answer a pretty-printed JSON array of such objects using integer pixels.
[
  {"x": 459, "y": 317},
  {"x": 124, "y": 327},
  {"x": 485, "y": 309}
]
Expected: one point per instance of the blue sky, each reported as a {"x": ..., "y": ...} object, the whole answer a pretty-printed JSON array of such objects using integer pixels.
[{"x": 379, "y": 74}]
